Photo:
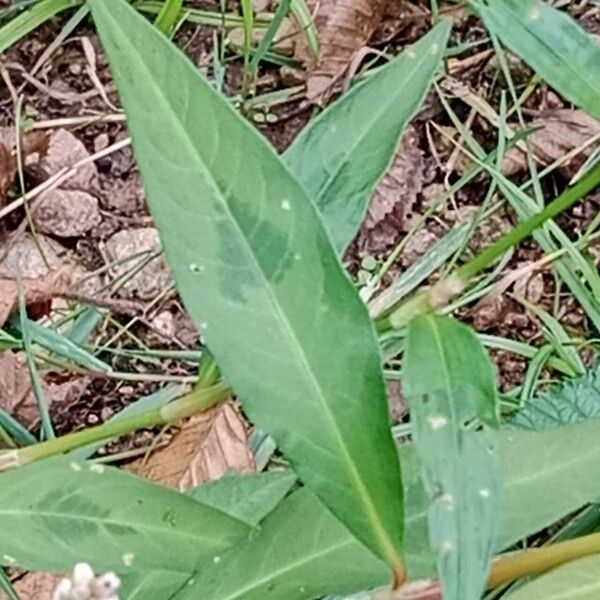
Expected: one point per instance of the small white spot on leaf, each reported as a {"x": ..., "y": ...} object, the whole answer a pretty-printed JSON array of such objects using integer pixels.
[
  {"x": 127, "y": 558},
  {"x": 437, "y": 422},
  {"x": 97, "y": 468},
  {"x": 484, "y": 493},
  {"x": 216, "y": 559},
  {"x": 9, "y": 559},
  {"x": 285, "y": 204},
  {"x": 534, "y": 13},
  {"x": 446, "y": 547},
  {"x": 75, "y": 466}
]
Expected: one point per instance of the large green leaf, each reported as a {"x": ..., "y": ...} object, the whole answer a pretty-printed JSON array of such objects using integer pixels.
[
  {"x": 301, "y": 552},
  {"x": 573, "y": 401},
  {"x": 257, "y": 272},
  {"x": 577, "y": 580},
  {"x": 548, "y": 474},
  {"x": 340, "y": 156},
  {"x": 552, "y": 43},
  {"x": 248, "y": 498},
  {"x": 56, "y": 513},
  {"x": 449, "y": 383}
]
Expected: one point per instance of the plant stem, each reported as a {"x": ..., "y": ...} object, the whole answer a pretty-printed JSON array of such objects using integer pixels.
[
  {"x": 196, "y": 401},
  {"x": 538, "y": 560},
  {"x": 445, "y": 290}
]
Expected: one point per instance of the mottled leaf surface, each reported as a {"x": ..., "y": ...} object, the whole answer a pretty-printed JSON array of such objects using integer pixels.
[
  {"x": 257, "y": 272},
  {"x": 449, "y": 384},
  {"x": 54, "y": 514}
]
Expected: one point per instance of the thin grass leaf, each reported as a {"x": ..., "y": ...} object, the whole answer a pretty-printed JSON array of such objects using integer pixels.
[
  {"x": 15, "y": 429},
  {"x": 341, "y": 155},
  {"x": 31, "y": 19},
  {"x": 36, "y": 382},
  {"x": 63, "y": 346},
  {"x": 267, "y": 39},
  {"x": 198, "y": 16},
  {"x": 552, "y": 43},
  {"x": 446, "y": 391},
  {"x": 305, "y": 20},
  {"x": 168, "y": 17},
  {"x": 256, "y": 270},
  {"x": 6, "y": 586},
  {"x": 106, "y": 517},
  {"x": 7, "y": 341}
]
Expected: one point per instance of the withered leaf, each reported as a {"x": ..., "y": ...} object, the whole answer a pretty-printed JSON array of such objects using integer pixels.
[
  {"x": 8, "y": 170},
  {"x": 67, "y": 213},
  {"x": 344, "y": 27},
  {"x": 16, "y": 395},
  {"x": 54, "y": 283},
  {"x": 207, "y": 446},
  {"x": 35, "y": 586},
  {"x": 394, "y": 198},
  {"x": 558, "y": 133}
]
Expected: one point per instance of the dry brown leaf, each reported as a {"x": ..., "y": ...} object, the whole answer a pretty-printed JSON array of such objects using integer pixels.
[
  {"x": 67, "y": 213},
  {"x": 16, "y": 395},
  {"x": 207, "y": 446},
  {"x": 394, "y": 198},
  {"x": 344, "y": 28},
  {"x": 8, "y": 170},
  {"x": 35, "y": 586},
  {"x": 40, "y": 290},
  {"x": 560, "y": 132}
]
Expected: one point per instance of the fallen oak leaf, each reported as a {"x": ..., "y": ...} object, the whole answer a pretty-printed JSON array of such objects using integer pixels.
[
  {"x": 36, "y": 291},
  {"x": 207, "y": 446}
]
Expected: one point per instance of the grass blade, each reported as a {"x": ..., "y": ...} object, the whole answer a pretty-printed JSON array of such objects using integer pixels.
[
  {"x": 32, "y": 18},
  {"x": 168, "y": 16},
  {"x": 552, "y": 43},
  {"x": 328, "y": 157},
  {"x": 446, "y": 390},
  {"x": 257, "y": 272}
]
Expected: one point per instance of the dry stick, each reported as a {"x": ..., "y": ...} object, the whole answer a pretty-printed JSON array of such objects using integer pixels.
[
  {"x": 62, "y": 175},
  {"x": 445, "y": 290}
]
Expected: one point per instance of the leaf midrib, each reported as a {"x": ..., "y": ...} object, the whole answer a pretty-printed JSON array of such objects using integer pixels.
[{"x": 385, "y": 543}]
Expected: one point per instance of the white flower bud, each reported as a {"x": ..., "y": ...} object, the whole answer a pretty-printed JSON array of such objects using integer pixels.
[
  {"x": 105, "y": 587},
  {"x": 83, "y": 576},
  {"x": 63, "y": 590}
]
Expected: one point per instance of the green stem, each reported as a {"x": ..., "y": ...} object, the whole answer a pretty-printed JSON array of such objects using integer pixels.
[
  {"x": 446, "y": 289},
  {"x": 196, "y": 401}
]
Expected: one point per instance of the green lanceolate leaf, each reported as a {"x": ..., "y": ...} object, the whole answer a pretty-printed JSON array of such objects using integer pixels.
[
  {"x": 552, "y": 43},
  {"x": 573, "y": 401},
  {"x": 248, "y": 498},
  {"x": 449, "y": 384},
  {"x": 167, "y": 18},
  {"x": 341, "y": 155},
  {"x": 257, "y": 272},
  {"x": 577, "y": 580},
  {"x": 548, "y": 475},
  {"x": 300, "y": 552},
  {"x": 54, "y": 514}
]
